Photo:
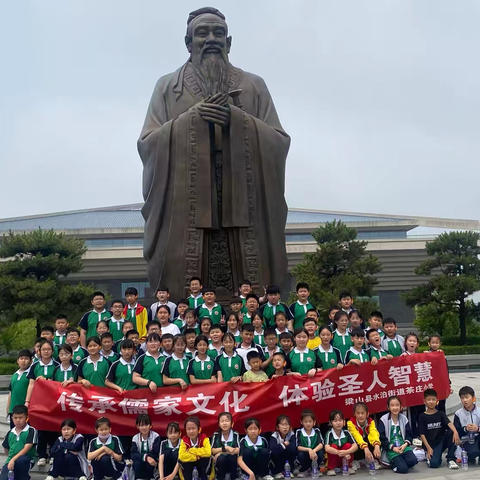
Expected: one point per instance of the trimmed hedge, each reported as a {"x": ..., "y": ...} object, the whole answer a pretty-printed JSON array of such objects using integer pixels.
[
  {"x": 455, "y": 341},
  {"x": 8, "y": 368},
  {"x": 456, "y": 349}
]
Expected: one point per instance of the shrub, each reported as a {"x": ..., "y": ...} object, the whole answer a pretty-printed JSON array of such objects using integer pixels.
[{"x": 8, "y": 368}]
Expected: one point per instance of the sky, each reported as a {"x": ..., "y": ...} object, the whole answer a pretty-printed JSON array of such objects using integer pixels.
[{"x": 381, "y": 99}]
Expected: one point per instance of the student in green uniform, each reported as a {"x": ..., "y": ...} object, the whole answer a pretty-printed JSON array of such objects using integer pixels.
[
  {"x": 120, "y": 374},
  {"x": 61, "y": 325},
  {"x": 251, "y": 305},
  {"x": 245, "y": 289},
  {"x": 48, "y": 333},
  {"x": 195, "y": 299},
  {"x": 88, "y": 323},
  {"x": 375, "y": 350},
  {"x": 102, "y": 327},
  {"x": 73, "y": 339},
  {"x": 394, "y": 344},
  {"x": 210, "y": 308},
  {"x": 205, "y": 326},
  {"x": 215, "y": 346},
  {"x": 375, "y": 322},
  {"x": 182, "y": 307},
  {"x": 329, "y": 355},
  {"x": 152, "y": 327},
  {"x": 229, "y": 365},
  {"x": 147, "y": 371},
  {"x": 65, "y": 372},
  {"x": 168, "y": 462},
  {"x": 285, "y": 340},
  {"x": 107, "y": 347},
  {"x": 19, "y": 445},
  {"x": 225, "y": 447},
  {"x": 254, "y": 454},
  {"x": 40, "y": 371},
  {"x": 356, "y": 355},
  {"x": 341, "y": 337},
  {"x": 201, "y": 369},
  {"x": 273, "y": 305},
  {"x": 309, "y": 443},
  {"x": 300, "y": 308},
  {"x": 167, "y": 345},
  {"x": 191, "y": 321},
  {"x": 145, "y": 448},
  {"x": 232, "y": 326},
  {"x": 272, "y": 347},
  {"x": 115, "y": 326},
  {"x": 126, "y": 327},
  {"x": 190, "y": 335},
  {"x": 236, "y": 305},
  {"x": 174, "y": 369},
  {"x": 281, "y": 323},
  {"x": 301, "y": 360},
  {"x": 19, "y": 383},
  {"x": 258, "y": 334},
  {"x": 355, "y": 320},
  {"x": 93, "y": 369}
]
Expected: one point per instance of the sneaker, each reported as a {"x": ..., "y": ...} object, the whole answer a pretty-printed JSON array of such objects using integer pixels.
[
  {"x": 278, "y": 476},
  {"x": 355, "y": 464},
  {"x": 453, "y": 465},
  {"x": 51, "y": 461},
  {"x": 49, "y": 477},
  {"x": 351, "y": 471},
  {"x": 41, "y": 462},
  {"x": 304, "y": 474},
  {"x": 417, "y": 442},
  {"x": 267, "y": 477},
  {"x": 331, "y": 473},
  {"x": 82, "y": 478},
  {"x": 377, "y": 465}
]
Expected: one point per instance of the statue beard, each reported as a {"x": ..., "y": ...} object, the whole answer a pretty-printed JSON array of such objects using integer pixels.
[{"x": 211, "y": 70}]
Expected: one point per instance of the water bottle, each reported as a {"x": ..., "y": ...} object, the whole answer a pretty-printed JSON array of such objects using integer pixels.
[
  {"x": 11, "y": 475},
  {"x": 371, "y": 469},
  {"x": 195, "y": 474},
  {"x": 288, "y": 470},
  {"x": 315, "y": 469},
  {"x": 471, "y": 437},
  {"x": 345, "y": 466},
  {"x": 464, "y": 459},
  {"x": 396, "y": 442}
]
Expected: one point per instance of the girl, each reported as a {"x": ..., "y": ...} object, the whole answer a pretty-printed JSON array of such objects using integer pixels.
[
  {"x": 175, "y": 368},
  {"x": 339, "y": 443},
  {"x": 93, "y": 370},
  {"x": 225, "y": 447},
  {"x": 43, "y": 369},
  {"x": 229, "y": 365},
  {"x": 201, "y": 368},
  {"x": 163, "y": 316},
  {"x": 102, "y": 327},
  {"x": 355, "y": 320},
  {"x": 168, "y": 463},
  {"x": 330, "y": 356},
  {"x": 145, "y": 448},
  {"x": 411, "y": 344},
  {"x": 281, "y": 323},
  {"x": 232, "y": 324},
  {"x": 205, "y": 326},
  {"x": 191, "y": 321},
  {"x": 127, "y": 326},
  {"x": 309, "y": 443},
  {"x": 68, "y": 454},
  {"x": 302, "y": 360},
  {"x": 65, "y": 373},
  {"x": 120, "y": 375},
  {"x": 283, "y": 446},
  {"x": 254, "y": 455},
  {"x": 396, "y": 438},
  {"x": 195, "y": 450},
  {"x": 147, "y": 370},
  {"x": 341, "y": 337},
  {"x": 258, "y": 334}
]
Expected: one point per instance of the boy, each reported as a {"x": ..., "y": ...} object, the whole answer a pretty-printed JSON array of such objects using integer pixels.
[
  {"x": 236, "y": 305},
  {"x": 61, "y": 326},
  {"x": 251, "y": 306},
  {"x": 434, "y": 343},
  {"x": 167, "y": 344},
  {"x": 190, "y": 321},
  {"x": 245, "y": 289},
  {"x": 309, "y": 443},
  {"x": 310, "y": 325},
  {"x": 190, "y": 336},
  {"x": 301, "y": 306},
  {"x": 270, "y": 350},
  {"x": 356, "y": 354},
  {"x": 345, "y": 302},
  {"x": 135, "y": 312},
  {"x": 394, "y": 344},
  {"x": 279, "y": 363},
  {"x": 286, "y": 342},
  {"x": 119, "y": 376},
  {"x": 331, "y": 315},
  {"x": 19, "y": 383},
  {"x": 115, "y": 326},
  {"x": 375, "y": 322},
  {"x": 273, "y": 306},
  {"x": 375, "y": 350},
  {"x": 48, "y": 333},
  {"x": 89, "y": 320},
  {"x": 467, "y": 423},
  {"x": 247, "y": 345},
  {"x": 105, "y": 452},
  {"x": 19, "y": 445},
  {"x": 215, "y": 346},
  {"x": 126, "y": 327},
  {"x": 281, "y": 323},
  {"x": 437, "y": 433},
  {"x": 107, "y": 346},
  {"x": 182, "y": 307},
  {"x": 195, "y": 299},
  {"x": 134, "y": 337},
  {"x": 163, "y": 294},
  {"x": 73, "y": 338},
  {"x": 210, "y": 308},
  {"x": 254, "y": 374}
]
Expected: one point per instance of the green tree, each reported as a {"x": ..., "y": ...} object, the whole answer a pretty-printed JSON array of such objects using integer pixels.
[
  {"x": 340, "y": 263},
  {"x": 454, "y": 268},
  {"x": 33, "y": 269}
]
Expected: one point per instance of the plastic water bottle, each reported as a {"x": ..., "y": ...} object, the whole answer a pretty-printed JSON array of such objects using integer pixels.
[
  {"x": 315, "y": 469},
  {"x": 464, "y": 459},
  {"x": 345, "y": 466},
  {"x": 195, "y": 474},
  {"x": 288, "y": 470},
  {"x": 396, "y": 443},
  {"x": 371, "y": 469},
  {"x": 11, "y": 475},
  {"x": 471, "y": 437}
]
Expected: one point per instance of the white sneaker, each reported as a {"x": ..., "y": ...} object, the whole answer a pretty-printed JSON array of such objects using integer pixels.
[
  {"x": 51, "y": 461},
  {"x": 304, "y": 474},
  {"x": 417, "y": 442},
  {"x": 453, "y": 465},
  {"x": 49, "y": 477},
  {"x": 355, "y": 464},
  {"x": 267, "y": 477},
  {"x": 331, "y": 473},
  {"x": 41, "y": 462},
  {"x": 278, "y": 476},
  {"x": 351, "y": 471},
  {"x": 377, "y": 465}
]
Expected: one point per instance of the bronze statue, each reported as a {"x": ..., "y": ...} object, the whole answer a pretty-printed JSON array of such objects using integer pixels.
[{"x": 213, "y": 153}]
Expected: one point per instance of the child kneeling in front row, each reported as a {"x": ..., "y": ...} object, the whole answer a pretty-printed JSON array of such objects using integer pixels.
[
  {"x": 309, "y": 444},
  {"x": 145, "y": 448},
  {"x": 339, "y": 444},
  {"x": 396, "y": 438},
  {"x": 105, "y": 452},
  {"x": 195, "y": 450}
]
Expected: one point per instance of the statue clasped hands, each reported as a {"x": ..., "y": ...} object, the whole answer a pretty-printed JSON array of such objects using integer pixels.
[{"x": 216, "y": 109}]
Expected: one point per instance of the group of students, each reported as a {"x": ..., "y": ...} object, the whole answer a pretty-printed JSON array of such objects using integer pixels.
[{"x": 195, "y": 341}]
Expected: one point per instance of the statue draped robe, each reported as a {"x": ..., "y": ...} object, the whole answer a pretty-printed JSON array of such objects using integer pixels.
[{"x": 190, "y": 196}]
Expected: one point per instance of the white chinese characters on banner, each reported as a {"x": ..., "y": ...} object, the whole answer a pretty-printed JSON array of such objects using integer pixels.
[
  {"x": 322, "y": 391},
  {"x": 73, "y": 402},
  {"x": 201, "y": 403},
  {"x": 423, "y": 371},
  {"x": 351, "y": 385},
  {"x": 237, "y": 400},
  {"x": 167, "y": 406},
  {"x": 293, "y": 395}
]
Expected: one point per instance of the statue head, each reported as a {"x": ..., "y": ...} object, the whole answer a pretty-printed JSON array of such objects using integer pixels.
[{"x": 208, "y": 43}]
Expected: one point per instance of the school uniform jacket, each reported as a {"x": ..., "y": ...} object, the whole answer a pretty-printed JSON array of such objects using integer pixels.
[
  {"x": 277, "y": 443},
  {"x": 384, "y": 427},
  {"x": 190, "y": 453},
  {"x": 463, "y": 417},
  {"x": 76, "y": 444},
  {"x": 153, "y": 447},
  {"x": 359, "y": 433}
]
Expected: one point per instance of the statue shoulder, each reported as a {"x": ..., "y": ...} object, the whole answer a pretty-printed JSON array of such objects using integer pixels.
[
  {"x": 256, "y": 81},
  {"x": 169, "y": 81}
]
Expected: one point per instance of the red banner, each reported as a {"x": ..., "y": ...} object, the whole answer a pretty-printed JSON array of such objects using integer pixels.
[{"x": 406, "y": 377}]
